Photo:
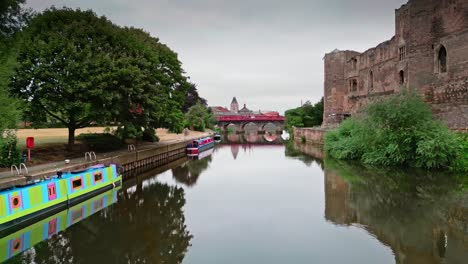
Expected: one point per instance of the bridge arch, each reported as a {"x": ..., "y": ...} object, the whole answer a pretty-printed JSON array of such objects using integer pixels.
[
  {"x": 231, "y": 127},
  {"x": 269, "y": 127},
  {"x": 250, "y": 127}
]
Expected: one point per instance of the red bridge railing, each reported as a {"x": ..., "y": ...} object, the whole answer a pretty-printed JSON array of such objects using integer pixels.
[{"x": 251, "y": 118}]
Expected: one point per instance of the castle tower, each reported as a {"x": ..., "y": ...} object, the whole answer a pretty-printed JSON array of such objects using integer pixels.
[{"x": 234, "y": 105}]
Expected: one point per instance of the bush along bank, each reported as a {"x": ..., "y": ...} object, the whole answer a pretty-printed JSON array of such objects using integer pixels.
[{"x": 398, "y": 131}]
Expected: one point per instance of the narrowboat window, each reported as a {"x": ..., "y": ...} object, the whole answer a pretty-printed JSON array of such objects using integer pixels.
[
  {"x": 15, "y": 201},
  {"x": 98, "y": 177},
  {"x": 76, "y": 183}
]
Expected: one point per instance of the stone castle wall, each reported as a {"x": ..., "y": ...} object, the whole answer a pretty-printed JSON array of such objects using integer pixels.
[{"x": 410, "y": 60}]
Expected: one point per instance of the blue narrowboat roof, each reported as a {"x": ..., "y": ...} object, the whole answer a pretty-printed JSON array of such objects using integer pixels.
[{"x": 54, "y": 178}]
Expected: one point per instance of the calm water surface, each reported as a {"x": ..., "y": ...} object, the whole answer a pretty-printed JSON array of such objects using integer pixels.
[{"x": 249, "y": 203}]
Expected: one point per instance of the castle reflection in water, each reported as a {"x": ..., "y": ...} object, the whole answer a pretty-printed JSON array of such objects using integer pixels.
[{"x": 422, "y": 218}]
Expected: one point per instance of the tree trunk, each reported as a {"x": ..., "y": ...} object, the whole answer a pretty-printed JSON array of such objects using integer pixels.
[{"x": 71, "y": 137}]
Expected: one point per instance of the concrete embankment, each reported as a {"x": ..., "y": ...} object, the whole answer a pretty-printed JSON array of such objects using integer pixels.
[
  {"x": 145, "y": 156},
  {"x": 310, "y": 135}
]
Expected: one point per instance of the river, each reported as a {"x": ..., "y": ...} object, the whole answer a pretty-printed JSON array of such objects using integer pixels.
[{"x": 260, "y": 202}]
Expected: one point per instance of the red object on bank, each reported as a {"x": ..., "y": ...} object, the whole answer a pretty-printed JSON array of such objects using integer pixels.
[
  {"x": 30, "y": 142},
  {"x": 29, "y": 145}
]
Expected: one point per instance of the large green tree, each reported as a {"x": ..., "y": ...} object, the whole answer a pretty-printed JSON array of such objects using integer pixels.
[
  {"x": 79, "y": 68},
  {"x": 12, "y": 18},
  {"x": 65, "y": 67}
]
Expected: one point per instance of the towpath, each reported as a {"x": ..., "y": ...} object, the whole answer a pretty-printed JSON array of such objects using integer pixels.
[{"x": 7, "y": 177}]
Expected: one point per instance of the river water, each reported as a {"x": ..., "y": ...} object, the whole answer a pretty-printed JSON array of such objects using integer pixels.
[{"x": 261, "y": 203}]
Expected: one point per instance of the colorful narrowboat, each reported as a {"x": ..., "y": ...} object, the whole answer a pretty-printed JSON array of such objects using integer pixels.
[
  {"x": 201, "y": 155},
  {"x": 19, "y": 241},
  {"x": 199, "y": 145},
  {"x": 25, "y": 204}
]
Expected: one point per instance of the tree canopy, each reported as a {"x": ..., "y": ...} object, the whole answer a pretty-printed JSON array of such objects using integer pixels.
[
  {"x": 199, "y": 117},
  {"x": 190, "y": 96},
  {"x": 79, "y": 69},
  {"x": 307, "y": 115},
  {"x": 12, "y": 16}
]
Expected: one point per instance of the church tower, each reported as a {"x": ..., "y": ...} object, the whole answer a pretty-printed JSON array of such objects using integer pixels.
[{"x": 234, "y": 105}]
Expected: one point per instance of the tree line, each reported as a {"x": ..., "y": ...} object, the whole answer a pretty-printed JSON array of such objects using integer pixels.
[
  {"x": 307, "y": 115},
  {"x": 76, "y": 68}
]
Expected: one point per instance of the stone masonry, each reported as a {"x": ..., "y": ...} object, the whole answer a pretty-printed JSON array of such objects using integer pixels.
[{"x": 429, "y": 53}]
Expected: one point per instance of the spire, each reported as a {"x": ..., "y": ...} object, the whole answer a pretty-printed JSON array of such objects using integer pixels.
[{"x": 234, "y": 101}]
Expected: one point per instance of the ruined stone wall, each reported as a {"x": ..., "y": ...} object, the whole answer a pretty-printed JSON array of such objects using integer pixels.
[
  {"x": 310, "y": 135},
  {"x": 409, "y": 60}
]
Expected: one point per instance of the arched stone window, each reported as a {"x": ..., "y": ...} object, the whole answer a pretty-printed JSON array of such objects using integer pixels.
[
  {"x": 354, "y": 63},
  {"x": 353, "y": 85},
  {"x": 402, "y": 77},
  {"x": 442, "y": 59},
  {"x": 371, "y": 80}
]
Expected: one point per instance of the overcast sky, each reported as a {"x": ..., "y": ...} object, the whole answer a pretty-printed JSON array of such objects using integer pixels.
[{"x": 268, "y": 53}]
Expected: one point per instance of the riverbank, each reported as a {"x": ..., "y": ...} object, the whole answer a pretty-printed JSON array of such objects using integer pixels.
[
  {"x": 145, "y": 154},
  {"x": 311, "y": 135},
  {"x": 51, "y": 143}
]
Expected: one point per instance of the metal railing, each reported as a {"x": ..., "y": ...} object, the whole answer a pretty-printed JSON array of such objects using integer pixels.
[
  {"x": 131, "y": 147},
  {"x": 91, "y": 155},
  {"x": 19, "y": 171}
]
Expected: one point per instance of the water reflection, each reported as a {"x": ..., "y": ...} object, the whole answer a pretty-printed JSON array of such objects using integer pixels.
[
  {"x": 421, "y": 216},
  {"x": 147, "y": 225},
  {"x": 51, "y": 230},
  {"x": 295, "y": 150},
  {"x": 253, "y": 138},
  {"x": 264, "y": 208},
  {"x": 189, "y": 172}
]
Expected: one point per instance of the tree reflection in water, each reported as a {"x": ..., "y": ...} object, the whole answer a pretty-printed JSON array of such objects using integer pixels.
[
  {"x": 147, "y": 225},
  {"x": 422, "y": 216},
  {"x": 189, "y": 172}
]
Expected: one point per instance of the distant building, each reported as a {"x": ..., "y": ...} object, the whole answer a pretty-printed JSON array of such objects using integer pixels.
[
  {"x": 234, "y": 110},
  {"x": 234, "y": 105}
]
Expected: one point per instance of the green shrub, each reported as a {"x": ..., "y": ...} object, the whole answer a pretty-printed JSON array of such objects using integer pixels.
[
  {"x": 303, "y": 139},
  {"x": 461, "y": 162},
  {"x": 396, "y": 131},
  {"x": 9, "y": 153},
  {"x": 101, "y": 142},
  {"x": 150, "y": 135}
]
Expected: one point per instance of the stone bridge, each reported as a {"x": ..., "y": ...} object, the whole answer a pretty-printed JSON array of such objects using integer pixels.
[{"x": 252, "y": 123}]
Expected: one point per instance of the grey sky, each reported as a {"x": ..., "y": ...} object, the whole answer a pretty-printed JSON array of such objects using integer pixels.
[{"x": 268, "y": 53}]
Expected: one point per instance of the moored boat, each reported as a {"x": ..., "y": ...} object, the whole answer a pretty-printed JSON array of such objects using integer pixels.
[
  {"x": 202, "y": 155},
  {"x": 25, "y": 204},
  {"x": 18, "y": 241},
  {"x": 199, "y": 145}
]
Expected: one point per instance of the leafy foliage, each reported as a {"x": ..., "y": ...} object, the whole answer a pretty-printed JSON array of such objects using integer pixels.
[
  {"x": 190, "y": 97},
  {"x": 461, "y": 162},
  {"x": 199, "y": 117},
  {"x": 80, "y": 69},
  {"x": 397, "y": 131},
  {"x": 307, "y": 115},
  {"x": 100, "y": 142},
  {"x": 9, "y": 153},
  {"x": 12, "y": 17}
]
